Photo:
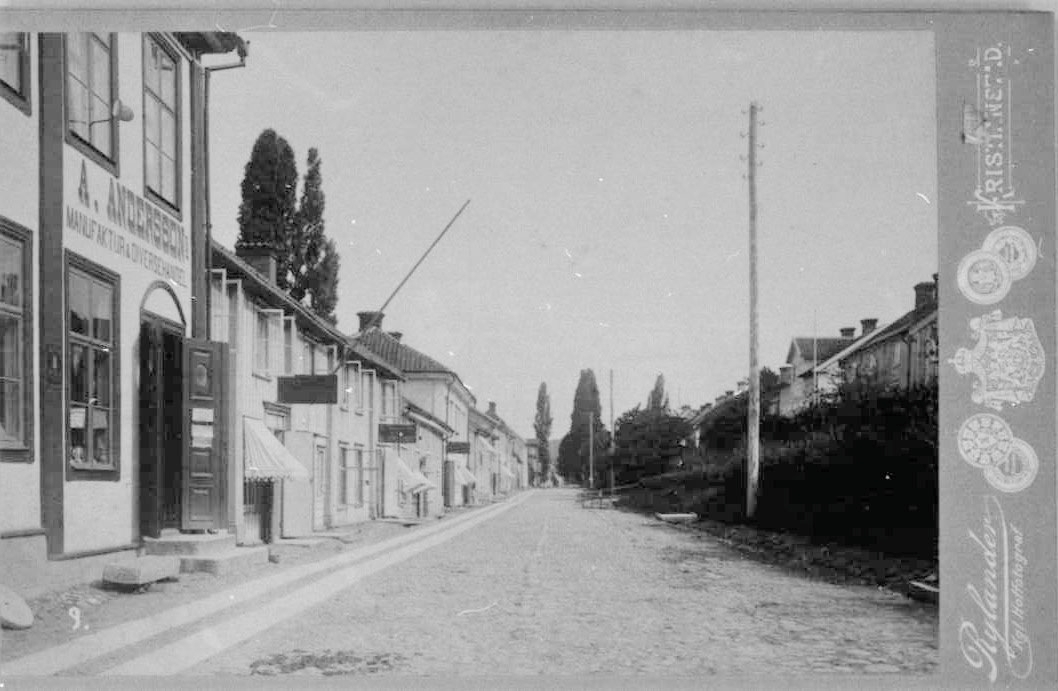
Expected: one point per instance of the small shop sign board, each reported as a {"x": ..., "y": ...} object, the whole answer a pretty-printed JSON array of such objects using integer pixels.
[
  {"x": 308, "y": 388},
  {"x": 397, "y": 434},
  {"x": 458, "y": 447}
]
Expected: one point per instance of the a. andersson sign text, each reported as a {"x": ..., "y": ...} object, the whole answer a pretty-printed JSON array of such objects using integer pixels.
[{"x": 134, "y": 228}]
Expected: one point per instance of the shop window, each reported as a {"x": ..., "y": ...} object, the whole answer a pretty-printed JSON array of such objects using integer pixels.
[
  {"x": 16, "y": 395},
  {"x": 92, "y": 368},
  {"x": 90, "y": 95},
  {"x": 161, "y": 122},
  {"x": 14, "y": 68}
]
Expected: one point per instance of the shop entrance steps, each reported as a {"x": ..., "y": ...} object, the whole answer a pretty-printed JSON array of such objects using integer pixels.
[{"x": 212, "y": 553}]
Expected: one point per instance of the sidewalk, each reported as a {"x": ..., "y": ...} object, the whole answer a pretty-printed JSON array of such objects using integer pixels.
[{"x": 66, "y": 607}]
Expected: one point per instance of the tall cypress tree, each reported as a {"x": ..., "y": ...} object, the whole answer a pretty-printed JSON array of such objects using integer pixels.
[
  {"x": 314, "y": 261},
  {"x": 542, "y": 427},
  {"x": 585, "y": 423},
  {"x": 269, "y": 197}
]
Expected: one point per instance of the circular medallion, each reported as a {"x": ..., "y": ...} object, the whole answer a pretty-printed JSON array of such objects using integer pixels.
[
  {"x": 1016, "y": 248},
  {"x": 983, "y": 277},
  {"x": 985, "y": 440},
  {"x": 1016, "y": 471}
]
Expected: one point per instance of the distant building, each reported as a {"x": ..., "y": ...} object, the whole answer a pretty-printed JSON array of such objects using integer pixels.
[{"x": 802, "y": 356}]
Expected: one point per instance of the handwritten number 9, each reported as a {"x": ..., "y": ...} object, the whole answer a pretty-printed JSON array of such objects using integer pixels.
[{"x": 75, "y": 614}]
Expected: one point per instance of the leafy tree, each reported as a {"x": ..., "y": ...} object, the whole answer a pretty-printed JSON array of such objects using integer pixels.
[
  {"x": 268, "y": 208},
  {"x": 658, "y": 399},
  {"x": 648, "y": 442},
  {"x": 585, "y": 423},
  {"x": 314, "y": 258},
  {"x": 542, "y": 427}
]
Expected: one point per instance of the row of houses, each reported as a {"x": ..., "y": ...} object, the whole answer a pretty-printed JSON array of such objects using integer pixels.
[
  {"x": 154, "y": 383},
  {"x": 901, "y": 354}
]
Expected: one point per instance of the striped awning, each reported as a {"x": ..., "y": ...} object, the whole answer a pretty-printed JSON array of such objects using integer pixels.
[
  {"x": 265, "y": 456},
  {"x": 413, "y": 480},
  {"x": 465, "y": 477}
]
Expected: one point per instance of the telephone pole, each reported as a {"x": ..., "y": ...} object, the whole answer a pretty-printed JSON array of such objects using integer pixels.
[
  {"x": 591, "y": 451},
  {"x": 753, "y": 414}
]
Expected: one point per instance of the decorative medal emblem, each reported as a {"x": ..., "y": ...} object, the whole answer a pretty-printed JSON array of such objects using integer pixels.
[
  {"x": 985, "y": 440},
  {"x": 1015, "y": 246},
  {"x": 1007, "y": 360},
  {"x": 1015, "y": 472},
  {"x": 983, "y": 277}
]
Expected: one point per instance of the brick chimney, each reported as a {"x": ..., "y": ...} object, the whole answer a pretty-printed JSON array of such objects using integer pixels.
[
  {"x": 370, "y": 318},
  {"x": 867, "y": 326},
  {"x": 492, "y": 409},
  {"x": 743, "y": 385},
  {"x": 848, "y": 332},
  {"x": 260, "y": 259},
  {"x": 396, "y": 335},
  {"x": 786, "y": 374},
  {"x": 925, "y": 294},
  {"x": 729, "y": 393}
]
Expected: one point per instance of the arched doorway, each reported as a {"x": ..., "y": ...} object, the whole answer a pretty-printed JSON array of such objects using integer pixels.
[{"x": 161, "y": 394}]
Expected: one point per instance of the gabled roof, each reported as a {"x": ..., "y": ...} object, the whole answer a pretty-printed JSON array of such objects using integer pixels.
[
  {"x": 823, "y": 347},
  {"x": 403, "y": 356},
  {"x": 896, "y": 328}
]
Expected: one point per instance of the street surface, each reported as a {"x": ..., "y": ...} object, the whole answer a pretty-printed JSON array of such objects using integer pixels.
[{"x": 549, "y": 587}]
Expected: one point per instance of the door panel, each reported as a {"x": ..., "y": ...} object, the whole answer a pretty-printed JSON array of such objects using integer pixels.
[
  {"x": 204, "y": 424},
  {"x": 150, "y": 458}
]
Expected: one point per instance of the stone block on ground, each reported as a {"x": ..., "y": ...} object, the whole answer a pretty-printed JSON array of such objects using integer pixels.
[
  {"x": 141, "y": 570},
  {"x": 237, "y": 559},
  {"x": 14, "y": 612}
]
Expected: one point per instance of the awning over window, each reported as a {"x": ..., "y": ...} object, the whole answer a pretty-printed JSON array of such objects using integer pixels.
[
  {"x": 465, "y": 477},
  {"x": 413, "y": 480},
  {"x": 265, "y": 456}
]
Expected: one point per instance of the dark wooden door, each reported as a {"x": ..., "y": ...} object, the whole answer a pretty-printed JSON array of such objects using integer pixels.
[
  {"x": 205, "y": 429},
  {"x": 150, "y": 460}
]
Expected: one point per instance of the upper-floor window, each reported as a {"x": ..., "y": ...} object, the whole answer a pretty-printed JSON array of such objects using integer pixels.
[
  {"x": 90, "y": 97},
  {"x": 15, "y": 346},
  {"x": 261, "y": 350},
  {"x": 389, "y": 399},
  {"x": 14, "y": 68},
  {"x": 161, "y": 122}
]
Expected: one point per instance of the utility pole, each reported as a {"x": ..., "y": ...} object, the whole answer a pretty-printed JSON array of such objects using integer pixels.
[
  {"x": 591, "y": 451},
  {"x": 753, "y": 422},
  {"x": 613, "y": 432}
]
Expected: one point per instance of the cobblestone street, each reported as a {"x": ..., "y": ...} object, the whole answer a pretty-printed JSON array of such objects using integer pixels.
[{"x": 552, "y": 588}]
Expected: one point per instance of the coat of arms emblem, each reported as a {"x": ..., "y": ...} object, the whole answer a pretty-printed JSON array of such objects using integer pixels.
[{"x": 1007, "y": 360}]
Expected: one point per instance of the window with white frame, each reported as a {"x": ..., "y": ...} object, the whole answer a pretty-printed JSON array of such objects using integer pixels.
[
  {"x": 358, "y": 477},
  {"x": 90, "y": 81},
  {"x": 357, "y": 378},
  {"x": 277, "y": 419},
  {"x": 261, "y": 343},
  {"x": 288, "y": 345},
  {"x": 161, "y": 121},
  {"x": 343, "y": 475},
  {"x": 344, "y": 386},
  {"x": 389, "y": 400},
  {"x": 14, "y": 68},
  {"x": 92, "y": 368},
  {"x": 15, "y": 345}
]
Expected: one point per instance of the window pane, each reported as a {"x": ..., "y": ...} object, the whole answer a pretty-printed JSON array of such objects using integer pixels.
[
  {"x": 168, "y": 190},
  {"x": 167, "y": 79},
  {"x": 99, "y": 63},
  {"x": 100, "y": 436},
  {"x": 78, "y": 373},
  {"x": 10, "y": 272},
  {"x": 77, "y": 434},
  {"x": 75, "y": 60},
  {"x": 99, "y": 129},
  {"x": 78, "y": 301},
  {"x": 102, "y": 311},
  {"x": 77, "y": 107},
  {"x": 150, "y": 66},
  {"x": 151, "y": 168},
  {"x": 261, "y": 349},
  {"x": 10, "y": 346},
  {"x": 151, "y": 125},
  {"x": 101, "y": 377},
  {"x": 10, "y": 412},
  {"x": 11, "y": 56}
]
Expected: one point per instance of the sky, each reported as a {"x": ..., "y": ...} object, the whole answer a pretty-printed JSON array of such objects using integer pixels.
[{"x": 608, "y": 218}]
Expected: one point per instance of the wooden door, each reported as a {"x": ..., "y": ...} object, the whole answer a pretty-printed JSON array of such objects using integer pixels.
[
  {"x": 205, "y": 427},
  {"x": 150, "y": 458}
]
